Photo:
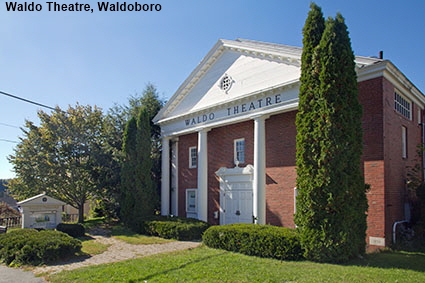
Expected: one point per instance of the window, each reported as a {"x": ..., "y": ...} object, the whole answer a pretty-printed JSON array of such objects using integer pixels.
[
  {"x": 404, "y": 142},
  {"x": 191, "y": 201},
  {"x": 193, "y": 157},
  {"x": 402, "y": 105},
  {"x": 239, "y": 146}
]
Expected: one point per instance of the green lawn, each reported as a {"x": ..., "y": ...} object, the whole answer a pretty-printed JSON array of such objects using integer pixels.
[
  {"x": 128, "y": 236},
  {"x": 209, "y": 265}
]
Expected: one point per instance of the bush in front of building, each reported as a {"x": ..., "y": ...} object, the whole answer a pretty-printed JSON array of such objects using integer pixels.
[
  {"x": 255, "y": 240},
  {"x": 72, "y": 229},
  {"x": 29, "y": 246},
  {"x": 179, "y": 228}
]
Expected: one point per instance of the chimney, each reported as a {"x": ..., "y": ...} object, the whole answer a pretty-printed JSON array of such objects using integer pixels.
[{"x": 381, "y": 54}]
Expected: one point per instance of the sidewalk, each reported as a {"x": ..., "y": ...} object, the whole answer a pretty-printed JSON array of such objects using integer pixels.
[{"x": 14, "y": 275}]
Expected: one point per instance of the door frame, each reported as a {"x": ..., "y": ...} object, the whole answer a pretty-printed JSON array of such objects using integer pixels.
[{"x": 232, "y": 175}]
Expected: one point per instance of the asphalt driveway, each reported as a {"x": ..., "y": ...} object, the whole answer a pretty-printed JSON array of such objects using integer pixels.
[{"x": 14, "y": 275}]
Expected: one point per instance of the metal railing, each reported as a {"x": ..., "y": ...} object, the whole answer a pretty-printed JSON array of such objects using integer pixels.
[
  {"x": 11, "y": 222},
  {"x": 67, "y": 218}
]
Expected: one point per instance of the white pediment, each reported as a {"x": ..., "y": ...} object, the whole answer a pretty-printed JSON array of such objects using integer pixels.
[
  {"x": 249, "y": 74},
  {"x": 261, "y": 79},
  {"x": 253, "y": 67}
]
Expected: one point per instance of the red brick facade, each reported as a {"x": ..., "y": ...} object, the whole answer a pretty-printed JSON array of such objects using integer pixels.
[{"x": 384, "y": 168}]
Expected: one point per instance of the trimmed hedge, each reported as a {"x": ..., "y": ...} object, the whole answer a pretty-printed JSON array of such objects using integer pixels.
[
  {"x": 28, "y": 246},
  {"x": 179, "y": 228},
  {"x": 257, "y": 240},
  {"x": 74, "y": 230}
]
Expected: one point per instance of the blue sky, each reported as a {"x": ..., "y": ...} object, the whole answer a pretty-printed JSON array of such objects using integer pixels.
[{"x": 60, "y": 58}]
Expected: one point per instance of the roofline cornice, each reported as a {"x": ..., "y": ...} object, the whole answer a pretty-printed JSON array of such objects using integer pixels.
[
  {"x": 247, "y": 97},
  {"x": 389, "y": 71},
  {"x": 211, "y": 58}
]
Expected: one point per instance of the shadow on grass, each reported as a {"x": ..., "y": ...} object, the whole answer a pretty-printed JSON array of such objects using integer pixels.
[
  {"x": 149, "y": 277},
  {"x": 393, "y": 259}
]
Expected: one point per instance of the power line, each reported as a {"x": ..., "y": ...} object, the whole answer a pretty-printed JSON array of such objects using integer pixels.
[
  {"x": 4, "y": 140},
  {"x": 8, "y": 125},
  {"x": 27, "y": 100}
]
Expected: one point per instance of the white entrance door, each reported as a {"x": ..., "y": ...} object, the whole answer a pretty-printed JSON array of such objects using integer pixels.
[{"x": 237, "y": 206}]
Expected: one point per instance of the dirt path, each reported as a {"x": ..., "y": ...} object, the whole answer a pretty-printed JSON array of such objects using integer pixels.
[{"x": 117, "y": 251}]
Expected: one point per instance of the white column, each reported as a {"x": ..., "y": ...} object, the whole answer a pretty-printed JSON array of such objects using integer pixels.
[
  {"x": 259, "y": 182},
  {"x": 165, "y": 176},
  {"x": 203, "y": 175}
]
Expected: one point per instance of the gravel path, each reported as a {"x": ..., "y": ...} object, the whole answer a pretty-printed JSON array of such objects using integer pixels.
[{"x": 118, "y": 251}]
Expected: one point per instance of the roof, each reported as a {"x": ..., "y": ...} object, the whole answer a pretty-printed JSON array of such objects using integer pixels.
[
  {"x": 34, "y": 200},
  {"x": 366, "y": 67}
]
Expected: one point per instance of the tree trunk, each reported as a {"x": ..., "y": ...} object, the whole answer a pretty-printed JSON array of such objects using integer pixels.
[{"x": 81, "y": 213}]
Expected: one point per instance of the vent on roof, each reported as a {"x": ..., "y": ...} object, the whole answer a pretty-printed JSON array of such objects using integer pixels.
[{"x": 226, "y": 83}]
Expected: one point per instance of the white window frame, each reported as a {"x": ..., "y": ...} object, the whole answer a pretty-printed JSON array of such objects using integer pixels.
[
  {"x": 188, "y": 210},
  {"x": 235, "y": 151},
  {"x": 402, "y": 105},
  {"x": 404, "y": 142},
  {"x": 193, "y": 154}
]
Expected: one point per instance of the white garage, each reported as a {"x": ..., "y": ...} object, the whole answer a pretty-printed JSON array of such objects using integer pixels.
[{"x": 41, "y": 212}]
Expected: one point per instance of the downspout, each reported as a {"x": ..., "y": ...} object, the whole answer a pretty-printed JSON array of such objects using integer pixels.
[{"x": 395, "y": 227}]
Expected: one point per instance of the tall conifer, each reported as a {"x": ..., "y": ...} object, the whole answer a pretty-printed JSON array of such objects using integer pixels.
[
  {"x": 147, "y": 191},
  {"x": 128, "y": 172},
  {"x": 331, "y": 210},
  {"x": 307, "y": 146},
  {"x": 137, "y": 188}
]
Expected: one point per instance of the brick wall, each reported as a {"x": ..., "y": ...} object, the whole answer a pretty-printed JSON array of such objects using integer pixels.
[
  {"x": 187, "y": 177},
  {"x": 280, "y": 164},
  {"x": 221, "y": 154},
  {"x": 384, "y": 169},
  {"x": 370, "y": 96},
  {"x": 396, "y": 167}
]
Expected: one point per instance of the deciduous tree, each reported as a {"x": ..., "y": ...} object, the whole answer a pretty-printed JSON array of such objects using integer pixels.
[{"x": 62, "y": 156}]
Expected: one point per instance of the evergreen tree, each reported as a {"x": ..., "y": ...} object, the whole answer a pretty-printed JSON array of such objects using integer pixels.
[
  {"x": 138, "y": 195},
  {"x": 128, "y": 172},
  {"x": 332, "y": 204},
  {"x": 307, "y": 145},
  {"x": 144, "y": 167}
]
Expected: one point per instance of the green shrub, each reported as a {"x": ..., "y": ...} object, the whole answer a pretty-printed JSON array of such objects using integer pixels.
[
  {"x": 74, "y": 230},
  {"x": 28, "y": 246},
  {"x": 257, "y": 240},
  {"x": 178, "y": 228}
]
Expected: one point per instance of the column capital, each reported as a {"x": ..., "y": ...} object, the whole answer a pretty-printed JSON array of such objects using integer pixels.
[
  {"x": 204, "y": 130},
  {"x": 260, "y": 117}
]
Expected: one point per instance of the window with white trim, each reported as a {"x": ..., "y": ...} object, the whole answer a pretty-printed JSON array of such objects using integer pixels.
[
  {"x": 191, "y": 200},
  {"x": 403, "y": 142},
  {"x": 193, "y": 157},
  {"x": 239, "y": 151},
  {"x": 402, "y": 105}
]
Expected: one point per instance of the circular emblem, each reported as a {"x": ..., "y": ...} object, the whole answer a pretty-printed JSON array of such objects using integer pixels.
[
  {"x": 44, "y": 199},
  {"x": 226, "y": 83}
]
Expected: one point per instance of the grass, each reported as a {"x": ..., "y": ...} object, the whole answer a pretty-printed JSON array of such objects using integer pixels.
[
  {"x": 128, "y": 236},
  {"x": 209, "y": 265},
  {"x": 92, "y": 247}
]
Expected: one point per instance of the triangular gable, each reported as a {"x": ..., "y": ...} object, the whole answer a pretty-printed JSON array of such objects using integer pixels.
[
  {"x": 252, "y": 67},
  {"x": 263, "y": 78},
  {"x": 40, "y": 199}
]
